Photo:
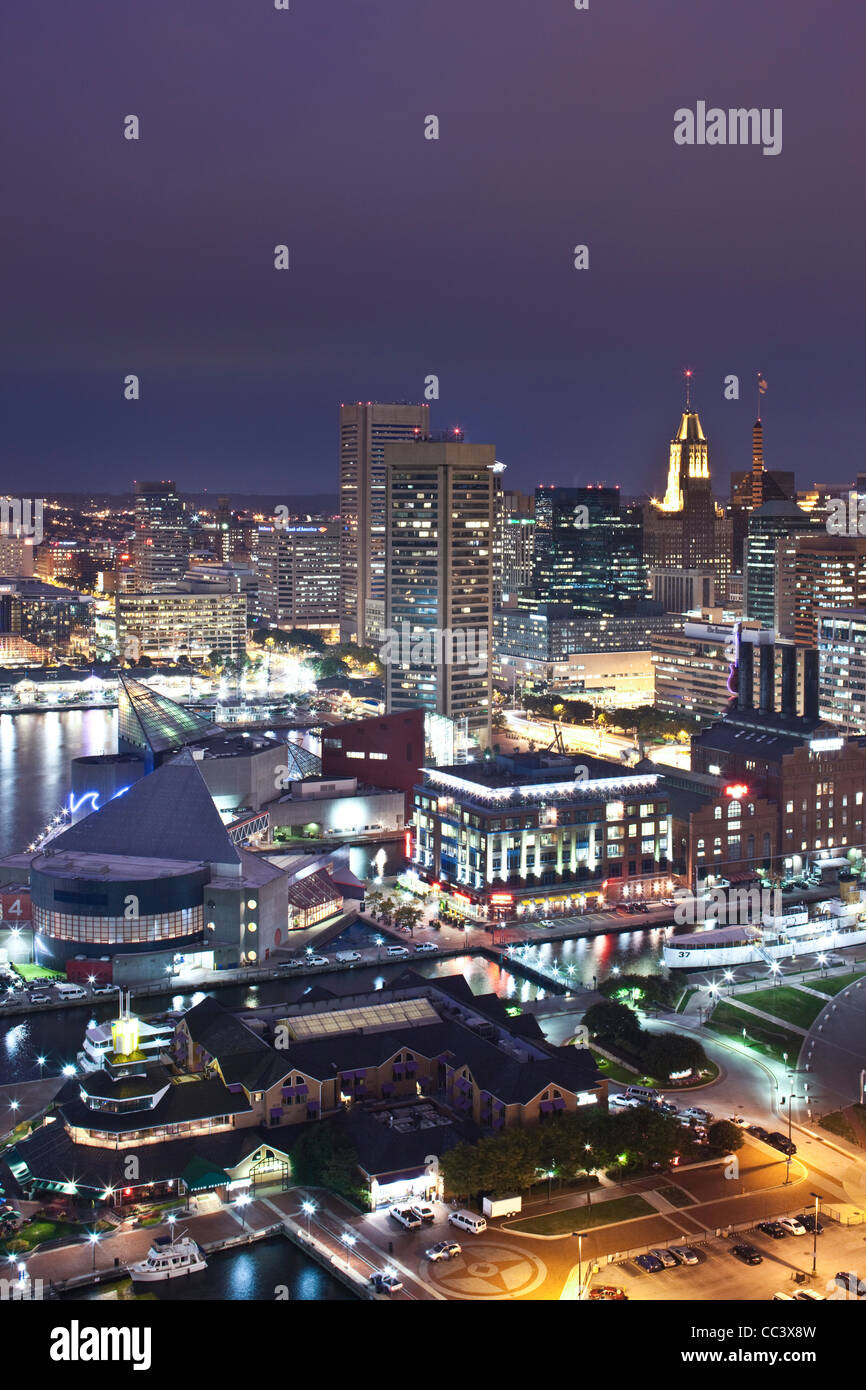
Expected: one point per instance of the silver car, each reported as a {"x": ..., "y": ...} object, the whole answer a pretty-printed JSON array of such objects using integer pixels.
[{"x": 664, "y": 1257}]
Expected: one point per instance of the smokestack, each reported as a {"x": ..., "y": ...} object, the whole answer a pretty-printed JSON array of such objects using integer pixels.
[
  {"x": 745, "y": 675},
  {"x": 768, "y": 679},
  {"x": 789, "y": 682},
  {"x": 810, "y": 684}
]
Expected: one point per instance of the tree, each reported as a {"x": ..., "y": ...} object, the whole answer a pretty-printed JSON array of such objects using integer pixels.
[
  {"x": 667, "y": 1053},
  {"x": 324, "y": 1156},
  {"x": 725, "y": 1136},
  {"x": 616, "y": 1021},
  {"x": 653, "y": 989}
]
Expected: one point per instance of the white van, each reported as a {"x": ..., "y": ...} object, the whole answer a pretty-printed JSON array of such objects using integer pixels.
[
  {"x": 70, "y": 992},
  {"x": 783, "y": 1298},
  {"x": 347, "y": 957},
  {"x": 468, "y": 1221},
  {"x": 397, "y": 951},
  {"x": 642, "y": 1093}
]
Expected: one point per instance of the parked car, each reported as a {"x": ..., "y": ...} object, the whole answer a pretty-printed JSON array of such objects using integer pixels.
[
  {"x": 649, "y": 1263},
  {"x": 686, "y": 1254},
  {"x": 468, "y": 1221},
  {"x": 103, "y": 989},
  {"x": 623, "y": 1102},
  {"x": 396, "y": 951},
  {"x": 423, "y": 1212},
  {"x": 792, "y": 1225},
  {"x": 386, "y": 1283},
  {"x": 608, "y": 1293},
  {"x": 782, "y": 1142},
  {"x": 809, "y": 1296},
  {"x": 347, "y": 957},
  {"x": 406, "y": 1217},
  {"x": 747, "y": 1253},
  {"x": 290, "y": 965},
  {"x": 40, "y": 998},
  {"x": 757, "y": 1131},
  {"x": 665, "y": 1257},
  {"x": 425, "y": 946},
  {"x": 772, "y": 1228},
  {"x": 695, "y": 1112},
  {"x": 812, "y": 1226},
  {"x": 444, "y": 1250},
  {"x": 318, "y": 960}
]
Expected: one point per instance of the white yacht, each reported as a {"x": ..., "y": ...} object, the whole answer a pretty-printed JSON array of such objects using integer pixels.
[
  {"x": 785, "y": 936},
  {"x": 169, "y": 1258}
]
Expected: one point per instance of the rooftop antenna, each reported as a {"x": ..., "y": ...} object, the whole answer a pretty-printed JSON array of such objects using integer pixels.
[{"x": 688, "y": 375}]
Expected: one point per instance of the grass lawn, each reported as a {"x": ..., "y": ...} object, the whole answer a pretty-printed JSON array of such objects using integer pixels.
[
  {"x": 37, "y": 972},
  {"x": 613, "y": 1071},
  {"x": 684, "y": 999},
  {"x": 37, "y": 1231},
  {"x": 837, "y": 1123},
  {"x": 676, "y": 1196},
  {"x": 783, "y": 1002},
  {"x": 558, "y": 1223},
  {"x": 760, "y": 1036},
  {"x": 836, "y": 983}
]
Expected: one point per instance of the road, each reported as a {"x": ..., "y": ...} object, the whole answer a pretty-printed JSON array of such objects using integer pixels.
[{"x": 588, "y": 739}]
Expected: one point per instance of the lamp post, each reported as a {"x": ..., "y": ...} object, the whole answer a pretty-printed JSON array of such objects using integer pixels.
[
  {"x": 240, "y": 1204},
  {"x": 786, "y": 1100},
  {"x": 94, "y": 1241},
  {"x": 579, "y": 1237},
  {"x": 588, "y": 1149},
  {"x": 348, "y": 1240},
  {"x": 308, "y": 1208},
  {"x": 551, "y": 1174},
  {"x": 815, "y": 1233}
]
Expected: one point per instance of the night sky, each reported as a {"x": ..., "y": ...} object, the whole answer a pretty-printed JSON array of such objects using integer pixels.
[{"x": 411, "y": 256}]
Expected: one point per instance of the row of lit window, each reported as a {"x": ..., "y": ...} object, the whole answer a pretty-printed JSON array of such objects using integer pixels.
[{"x": 67, "y": 926}]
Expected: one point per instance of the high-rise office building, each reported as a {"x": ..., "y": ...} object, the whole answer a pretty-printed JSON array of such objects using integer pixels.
[
  {"x": 771, "y": 522},
  {"x": 751, "y": 489},
  {"x": 298, "y": 569},
  {"x": 829, "y": 572},
  {"x": 365, "y": 429},
  {"x": 688, "y": 530},
  {"x": 439, "y": 592},
  {"x": 841, "y": 641},
  {"x": 589, "y": 548},
  {"x": 161, "y": 545},
  {"x": 515, "y": 546}
]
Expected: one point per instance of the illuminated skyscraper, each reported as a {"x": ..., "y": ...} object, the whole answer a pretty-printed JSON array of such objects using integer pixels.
[
  {"x": 365, "y": 429},
  {"x": 688, "y": 530}
]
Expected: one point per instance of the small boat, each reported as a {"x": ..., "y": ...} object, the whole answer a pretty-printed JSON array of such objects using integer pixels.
[{"x": 169, "y": 1259}]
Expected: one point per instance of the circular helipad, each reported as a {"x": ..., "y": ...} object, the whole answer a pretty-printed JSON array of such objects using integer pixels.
[{"x": 496, "y": 1271}]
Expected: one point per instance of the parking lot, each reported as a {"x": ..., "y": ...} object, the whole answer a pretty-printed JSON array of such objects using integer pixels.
[{"x": 720, "y": 1276}]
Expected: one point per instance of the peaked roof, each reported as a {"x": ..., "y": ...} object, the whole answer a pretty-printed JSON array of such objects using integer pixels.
[
  {"x": 170, "y": 814},
  {"x": 154, "y": 721},
  {"x": 690, "y": 428}
]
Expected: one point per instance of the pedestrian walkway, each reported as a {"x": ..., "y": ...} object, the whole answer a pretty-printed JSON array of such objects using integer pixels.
[{"x": 769, "y": 1018}]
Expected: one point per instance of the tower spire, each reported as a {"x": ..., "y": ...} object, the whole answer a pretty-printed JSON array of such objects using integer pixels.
[{"x": 688, "y": 376}]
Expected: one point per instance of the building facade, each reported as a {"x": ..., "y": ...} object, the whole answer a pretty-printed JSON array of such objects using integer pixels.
[{"x": 365, "y": 429}]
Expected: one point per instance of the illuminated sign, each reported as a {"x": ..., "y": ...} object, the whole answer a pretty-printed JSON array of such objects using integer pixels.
[
  {"x": 502, "y": 897},
  {"x": 738, "y": 790},
  {"x": 826, "y": 745}
]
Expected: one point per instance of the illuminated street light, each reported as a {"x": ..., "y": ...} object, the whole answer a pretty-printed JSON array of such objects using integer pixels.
[{"x": 348, "y": 1240}]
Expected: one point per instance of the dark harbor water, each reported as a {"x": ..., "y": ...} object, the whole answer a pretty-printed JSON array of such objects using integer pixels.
[
  {"x": 35, "y": 753},
  {"x": 256, "y": 1272}
]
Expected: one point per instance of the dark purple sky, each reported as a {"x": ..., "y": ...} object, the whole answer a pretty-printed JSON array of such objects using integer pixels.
[{"x": 411, "y": 256}]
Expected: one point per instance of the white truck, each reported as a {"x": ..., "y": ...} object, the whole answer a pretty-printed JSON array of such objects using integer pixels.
[{"x": 501, "y": 1206}]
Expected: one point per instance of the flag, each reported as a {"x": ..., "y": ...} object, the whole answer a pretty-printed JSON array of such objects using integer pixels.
[{"x": 762, "y": 385}]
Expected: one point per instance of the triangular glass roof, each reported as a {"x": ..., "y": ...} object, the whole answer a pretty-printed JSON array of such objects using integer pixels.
[{"x": 148, "y": 720}]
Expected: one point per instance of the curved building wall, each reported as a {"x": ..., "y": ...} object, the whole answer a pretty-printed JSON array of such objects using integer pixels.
[{"x": 94, "y": 916}]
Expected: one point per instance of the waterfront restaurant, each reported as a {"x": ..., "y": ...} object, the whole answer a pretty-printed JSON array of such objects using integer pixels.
[{"x": 525, "y": 831}]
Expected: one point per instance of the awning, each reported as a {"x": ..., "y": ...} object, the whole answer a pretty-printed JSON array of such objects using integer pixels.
[{"x": 200, "y": 1175}]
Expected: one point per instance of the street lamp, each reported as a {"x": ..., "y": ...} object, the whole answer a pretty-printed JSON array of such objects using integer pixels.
[
  {"x": 786, "y": 1100},
  {"x": 309, "y": 1208},
  {"x": 94, "y": 1241},
  {"x": 348, "y": 1240},
  {"x": 243, "y": 1201},
  {"x": 817, "y": 1197},
  {"x": 551, "y": 1174},
  {"x": 579, "y": 1237}
]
